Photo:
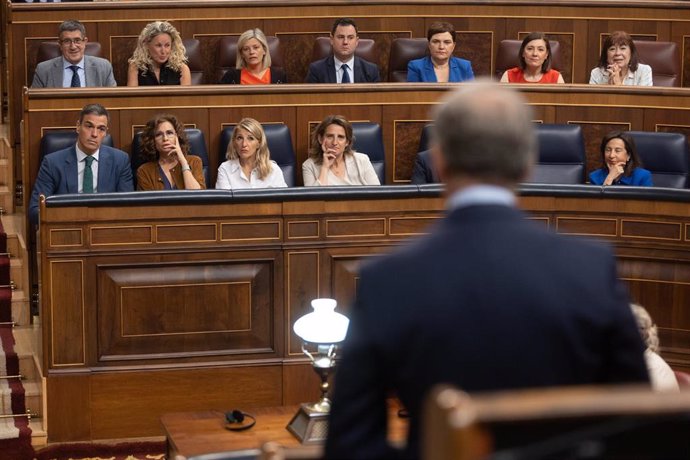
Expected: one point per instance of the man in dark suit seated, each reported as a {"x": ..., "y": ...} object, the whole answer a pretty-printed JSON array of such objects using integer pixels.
[
  {"x": 73, "y": 69},
  {"x": 87, "y": 167},
  {"x": 343, "y": 66},
  {"x": 488, "y": 300},
  {"x": 423, "y": 171}
]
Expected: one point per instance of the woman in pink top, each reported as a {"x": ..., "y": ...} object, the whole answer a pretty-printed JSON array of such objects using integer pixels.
[{"x": 535, "y": 62}]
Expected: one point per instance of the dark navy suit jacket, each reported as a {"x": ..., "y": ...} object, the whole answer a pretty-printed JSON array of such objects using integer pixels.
[
  {"x": 58, "y": 175},
  {"x": 487, "y": 301},
  {"x": 323, "y": 71},
  {"x": 422, "y": 70},
  {"x": 423, "y": 172}
]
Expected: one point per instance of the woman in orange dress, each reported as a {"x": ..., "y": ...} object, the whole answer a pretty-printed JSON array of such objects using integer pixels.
[
  {"x": 253, "y": 66},
  {"x": 535, "y": 62}
]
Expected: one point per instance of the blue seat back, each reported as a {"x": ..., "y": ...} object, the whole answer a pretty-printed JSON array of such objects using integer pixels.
[
  {"x": 369, "y": 140},
  {"x": 279, "y": 143},
  {"x": 52, "y": 141},
  {"x": 665, "y": 155},
  {"x": 561, "y": 155},
  {"x": 425, "y": 138},
  {"x": 197, "y": 146}
]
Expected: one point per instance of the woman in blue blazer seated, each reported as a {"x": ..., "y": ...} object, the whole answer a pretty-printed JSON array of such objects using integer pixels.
[
  {"x": 440, "y": 65},
  {"x": 622, "y": 166}
]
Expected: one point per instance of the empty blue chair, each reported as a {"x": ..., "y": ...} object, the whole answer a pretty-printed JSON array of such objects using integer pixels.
[
  {"x": 369, "y": 140},
  {"x": 197, "y": 146},
  {"x": 665, "y": 155},
  {"x": 561, "y": 155},
  {"x": 279, "y": 143}
]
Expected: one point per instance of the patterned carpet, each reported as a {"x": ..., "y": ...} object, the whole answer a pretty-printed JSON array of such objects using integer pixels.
[
  {"x": 15, "y": 434},
  {"x": 149, "y": 450}
]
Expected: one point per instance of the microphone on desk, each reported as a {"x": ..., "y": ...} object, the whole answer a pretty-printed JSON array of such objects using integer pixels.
[{"x": 236, "y": 418}]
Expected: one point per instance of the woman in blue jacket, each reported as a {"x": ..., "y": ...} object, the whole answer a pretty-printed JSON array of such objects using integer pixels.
[
  {"x": 440, "y": 65},
  {"x": 622, "y": 166}
]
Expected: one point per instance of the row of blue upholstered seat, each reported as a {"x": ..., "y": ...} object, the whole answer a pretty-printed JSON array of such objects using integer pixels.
[
  {"x": 368, "y": 139},
  {"x": 562, "y": 157}
]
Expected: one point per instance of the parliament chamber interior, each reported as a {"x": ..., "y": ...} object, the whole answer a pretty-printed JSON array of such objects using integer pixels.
[{"x": 234, "y": 269}]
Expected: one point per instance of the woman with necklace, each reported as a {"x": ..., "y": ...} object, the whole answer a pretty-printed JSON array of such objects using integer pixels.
[
  {"x": 170, "y": 166},
  {"x": 440, "y": 65},
  {"x": 535, "y": 62},
  {"x": 619, "y": 63},
  {"x": 249, "y": 163},
  {"x": 253, "y": 65},
  {"x": 332, "y": 160},
  {"x": 159, "y": 58}
]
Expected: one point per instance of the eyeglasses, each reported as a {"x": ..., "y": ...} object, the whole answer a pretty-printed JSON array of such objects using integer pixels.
[
  {"x": 165, "y": 134},
  {"x": 70, "y": 41}
]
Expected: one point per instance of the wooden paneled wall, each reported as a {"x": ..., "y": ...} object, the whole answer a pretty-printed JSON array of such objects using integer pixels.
[
  {"x": 577, "y": 24},
  {"x": 186, "y": 302}
]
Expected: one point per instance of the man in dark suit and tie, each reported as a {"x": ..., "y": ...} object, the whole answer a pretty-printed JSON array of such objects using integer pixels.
[
  {"x": 488, "y": 300},
  {"x": 73, "y": 68},
  {"x": 343, "y": 66},
  {"x": 86, "y": 167}
]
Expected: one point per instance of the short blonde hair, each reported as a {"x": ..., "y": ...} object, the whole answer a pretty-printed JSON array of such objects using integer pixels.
[
  {"x": 141, "y": 57},
  {"x": 244, "y": 38},
  {"x": 647, "y": 327}
]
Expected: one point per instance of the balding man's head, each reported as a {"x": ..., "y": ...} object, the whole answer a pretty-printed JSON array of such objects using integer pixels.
[{"x": 484, "y": 131}]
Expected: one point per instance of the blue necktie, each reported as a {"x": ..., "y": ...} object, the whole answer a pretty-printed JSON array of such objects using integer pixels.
[
  {"x": 76, "y": 83},
  {"x": 346, "y": 75},
  {"x": 87, "y": 186}
]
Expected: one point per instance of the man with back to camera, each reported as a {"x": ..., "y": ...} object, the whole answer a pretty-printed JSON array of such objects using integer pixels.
[
  {"x": 86, "y": 167},
  {"x": 343, "y": 66},
  {"x": 73, "y": 68},
  {"x": 488, "y": 300}
]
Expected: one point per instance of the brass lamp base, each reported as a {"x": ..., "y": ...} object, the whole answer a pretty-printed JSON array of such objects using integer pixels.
[{"x": 310, "y": 424}]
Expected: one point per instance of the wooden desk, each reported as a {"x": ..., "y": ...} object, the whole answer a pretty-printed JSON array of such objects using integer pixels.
[{"x": 196, "y": 433}]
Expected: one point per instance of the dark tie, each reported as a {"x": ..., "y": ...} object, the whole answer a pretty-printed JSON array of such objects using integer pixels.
[
  {"x": 88, "y": 175},
  {"x": 346, "y": 75},
  {"x": 76, "y": 83}
]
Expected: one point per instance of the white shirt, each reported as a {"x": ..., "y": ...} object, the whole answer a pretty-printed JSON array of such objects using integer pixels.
[
  {"x": 81, "y": 165},
  {"x": 482, "y": 194},
  {"x": 232, "y": 177},
  {"x": 641, "y": 77},
  {"x": 67, "y": 73},
  {"x": 661, "y": 374},
  {"x": 339, "y": 69}
]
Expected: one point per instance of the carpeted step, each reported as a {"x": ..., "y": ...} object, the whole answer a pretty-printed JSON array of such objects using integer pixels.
[{"x": 15, "y": 434}]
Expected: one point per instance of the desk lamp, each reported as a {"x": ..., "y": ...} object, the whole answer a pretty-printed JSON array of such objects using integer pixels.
[{"x": 324, "y": 328}]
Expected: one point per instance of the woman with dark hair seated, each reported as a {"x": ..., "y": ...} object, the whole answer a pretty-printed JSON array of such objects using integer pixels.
[
  {"x": 253, "y": 65},
  {"x": 332, "y": 161},
  {"x": 440, "y": 65},
  {"x": 249, "y": 163},
  {"x": 170, "y": 166},
  {"x": 622, "y": 166},
  {"x": 619, "y": 63},
  {"x": 535, "y": 62}
]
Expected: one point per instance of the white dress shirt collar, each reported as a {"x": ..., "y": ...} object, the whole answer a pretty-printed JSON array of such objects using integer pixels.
[{"x": 482, "y": 194}]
